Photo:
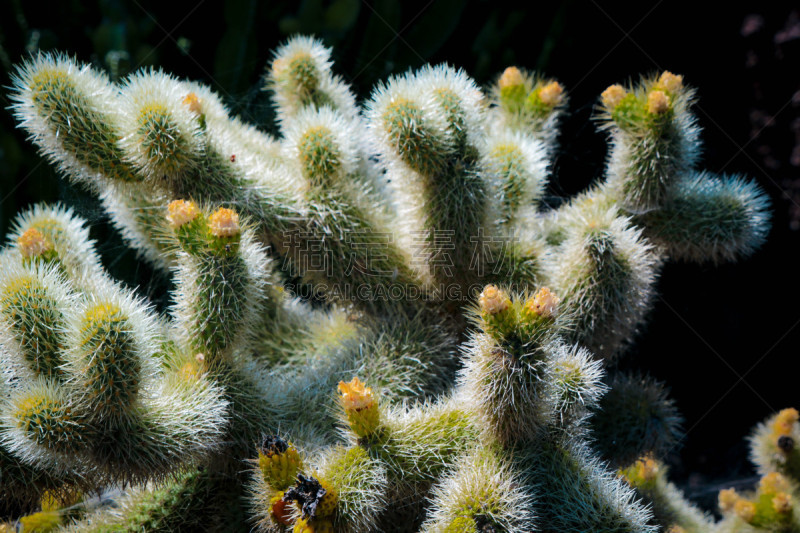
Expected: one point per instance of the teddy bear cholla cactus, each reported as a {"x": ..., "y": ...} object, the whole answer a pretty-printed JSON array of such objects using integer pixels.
[
  {"x": 397, "y": 217},
  {"x": 94, "y": 394},
  {"x": 522, "y": 465}
]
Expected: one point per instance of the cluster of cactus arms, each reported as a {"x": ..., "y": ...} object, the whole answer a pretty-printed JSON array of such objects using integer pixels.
[{"x": 443, "y": 359}]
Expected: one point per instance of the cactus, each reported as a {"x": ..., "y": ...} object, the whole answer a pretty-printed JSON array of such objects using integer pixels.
[
  {"x": 466, "y": 327},
  {"x": 773, "y": 504}
]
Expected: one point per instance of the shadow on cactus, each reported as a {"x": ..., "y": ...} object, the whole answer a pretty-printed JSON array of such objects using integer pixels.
[{"x": 479, "y": 322}]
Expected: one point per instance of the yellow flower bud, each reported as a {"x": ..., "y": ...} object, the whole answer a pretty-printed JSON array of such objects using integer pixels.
[
  {"x": 355, "y": 395},
  {"x": 180, "y": 212},
  {"x": 511, "y": 77},
  {"x": 224, "y": 222},
  {"x": 657, "y": 103},
  {"x": 773, "y": 483},
  {"x": 493, "y": 300},
  {"x": 33, "y": 243},
  {"x": 782, "y": 503},
  {"x": 670, "y": 82},
  {"x": 544, "y": 303},
  {"x": 613, "y": 96},
  {"x": 642, "y": 473},
  {"x": 647, "y": 468},
  {"x": 785, "y": 421},
  {"x": 360, "y": 406},
  {"x": 746, "y": 510},
  {"x": 551, "y": 94}
]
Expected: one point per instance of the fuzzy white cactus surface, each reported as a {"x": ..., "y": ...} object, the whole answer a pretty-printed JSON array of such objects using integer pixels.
[{"x": 465, "y": 326}]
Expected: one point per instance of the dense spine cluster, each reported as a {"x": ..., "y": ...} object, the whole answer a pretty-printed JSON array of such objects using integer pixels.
[
  {"x": 92, "y": 391},
  {"x": 465, "y": 327}
]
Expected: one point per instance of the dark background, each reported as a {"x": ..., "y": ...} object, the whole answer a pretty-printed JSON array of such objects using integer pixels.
[{"x": 724, "y": 338}]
